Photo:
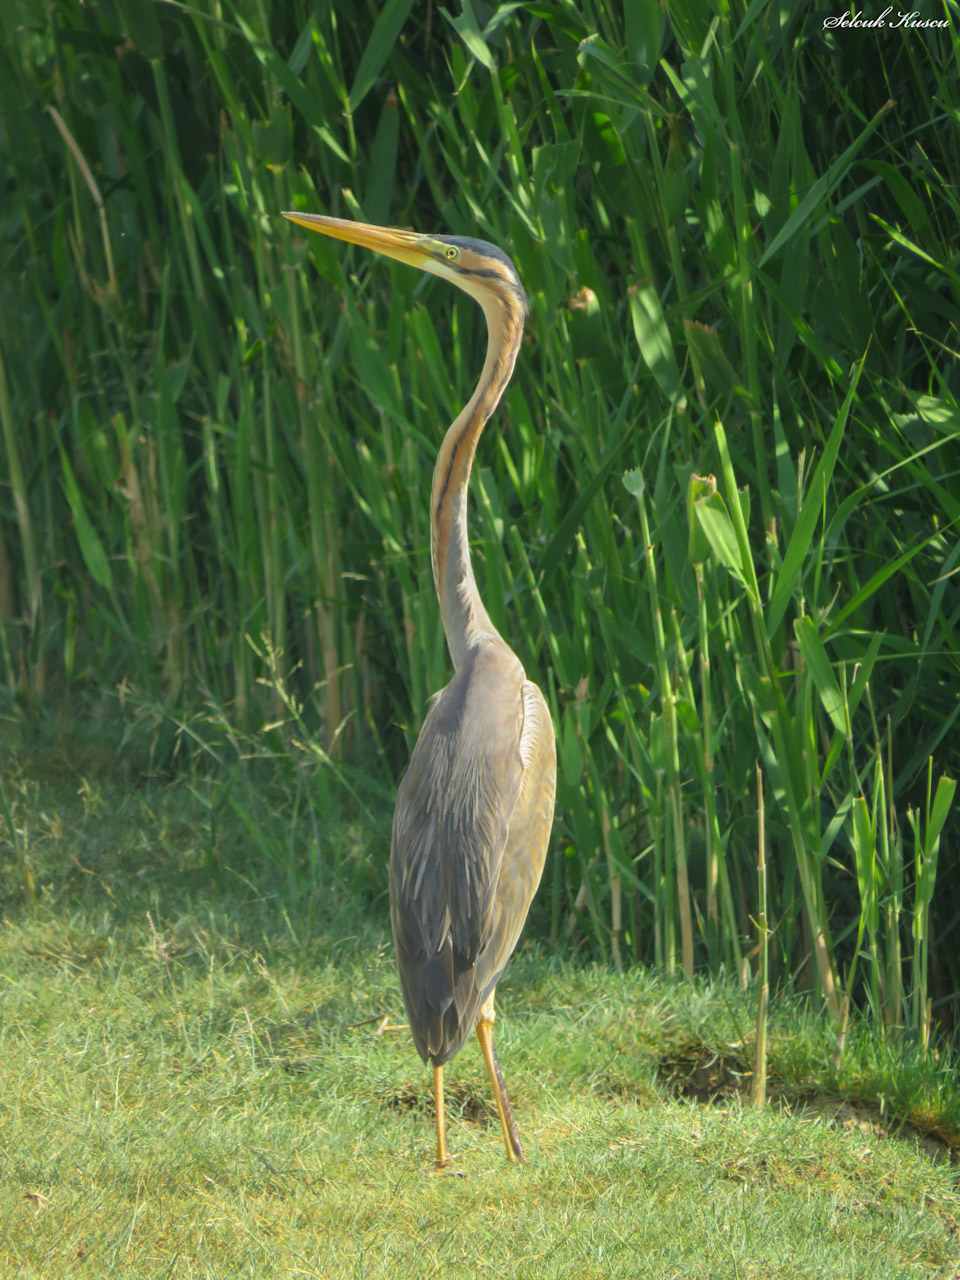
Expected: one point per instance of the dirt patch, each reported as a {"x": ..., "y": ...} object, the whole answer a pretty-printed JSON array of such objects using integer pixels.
[
  {"x": 713, "y": 1079},
  {"x": 460, "y": 1101},
  {"x": 707, "y": 1079}
]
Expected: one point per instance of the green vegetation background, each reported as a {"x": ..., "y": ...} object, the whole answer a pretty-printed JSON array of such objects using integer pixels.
[
  {"x": 738, "y": 233},
  {"x": 716, "y": 516}
]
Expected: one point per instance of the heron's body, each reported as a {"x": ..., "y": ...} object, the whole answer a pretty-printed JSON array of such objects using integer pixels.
[
  {"x": 475, "y": 807},
  {"x": 469, "y": 844}
]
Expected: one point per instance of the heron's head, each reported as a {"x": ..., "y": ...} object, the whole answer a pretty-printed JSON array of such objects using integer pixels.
[{"x": 476, "y": 267}]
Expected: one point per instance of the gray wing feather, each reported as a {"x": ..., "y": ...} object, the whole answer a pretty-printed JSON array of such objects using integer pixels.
[
  {"x": 526, "y": 849},
  {"x": 451, "y": 831}
]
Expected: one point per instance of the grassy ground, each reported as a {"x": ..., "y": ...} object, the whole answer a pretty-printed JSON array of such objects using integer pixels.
[{"x": 192, "y": 1084}]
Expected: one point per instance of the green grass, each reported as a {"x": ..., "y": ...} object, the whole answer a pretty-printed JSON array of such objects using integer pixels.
[{"x": 192, "y": 1084}]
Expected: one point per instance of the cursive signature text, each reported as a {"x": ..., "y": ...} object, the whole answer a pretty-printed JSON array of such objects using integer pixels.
[{"x": 912, "y": 20}]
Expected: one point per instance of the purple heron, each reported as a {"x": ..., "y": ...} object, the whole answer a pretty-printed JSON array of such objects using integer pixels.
[{"x": 475, "y": 807}]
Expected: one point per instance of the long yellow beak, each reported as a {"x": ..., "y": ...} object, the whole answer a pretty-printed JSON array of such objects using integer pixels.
[{"x": 404, "y": 246}]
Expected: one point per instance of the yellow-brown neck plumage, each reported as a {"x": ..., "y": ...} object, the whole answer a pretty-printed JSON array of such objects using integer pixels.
[{"x": 465, "y": 620}]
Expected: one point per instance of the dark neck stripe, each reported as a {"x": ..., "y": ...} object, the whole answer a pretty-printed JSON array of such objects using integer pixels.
[{"x": 490, "y": 393}]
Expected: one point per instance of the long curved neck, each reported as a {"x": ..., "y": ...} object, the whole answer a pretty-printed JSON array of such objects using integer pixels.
[{"x": 465, "y": 620}]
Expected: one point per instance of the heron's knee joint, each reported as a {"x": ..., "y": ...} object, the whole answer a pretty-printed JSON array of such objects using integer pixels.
[{"x": 487, "y": 1012}]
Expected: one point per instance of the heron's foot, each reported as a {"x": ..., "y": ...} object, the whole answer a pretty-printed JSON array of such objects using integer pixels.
[
  {"x": 515, "y": 1152},
  {"x": 386, "y": 1025},
  {"x": 444, "y": 1170}
]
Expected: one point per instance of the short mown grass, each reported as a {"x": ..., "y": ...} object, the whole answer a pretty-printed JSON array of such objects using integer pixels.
[{"x": 192, "y": 1084}]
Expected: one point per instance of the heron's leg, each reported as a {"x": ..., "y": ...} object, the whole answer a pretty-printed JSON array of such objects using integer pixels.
[
  {"x": 443, "y": 1154},
  {"x": 507, "y": 1122}
]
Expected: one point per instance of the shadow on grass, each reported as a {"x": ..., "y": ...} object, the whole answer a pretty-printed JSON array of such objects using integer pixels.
[{"x": 110, "y": 840}]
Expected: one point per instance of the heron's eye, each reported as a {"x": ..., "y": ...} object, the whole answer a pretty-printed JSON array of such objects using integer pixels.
[{"x": 451, "y": 252}]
